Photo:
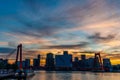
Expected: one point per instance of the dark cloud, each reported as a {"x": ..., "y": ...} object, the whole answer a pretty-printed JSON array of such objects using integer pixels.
[
  {"x": 42, "y": 18},
  {"x": 39, "y": 28},
  {"x": 114, "y": 49},
  {"x": 89, "y": 51},
  {"x": 97, "y": 37},
  {"x": 84, "y": 52},
  {"x": 51, "y": 21},
  {"x": 75, "y": 46}
]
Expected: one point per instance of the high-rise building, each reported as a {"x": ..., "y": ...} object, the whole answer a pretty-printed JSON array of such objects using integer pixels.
[
  {"x": 3, "y": 63},
  {"x": 83, "y": 57},
  {"x": 76, "y": 59},
  {"x": 90, "y": 63},
  {"x": 75, "y": 64},
  {"x": 39, "y": 57},
  {"x": 49, "y": 61},
  {"x": 36, "y": 61},
  {"x": 63, "y": 61},
  {"x": 83, "y": 61},
  {"x": 27, "y": 63},
  {"x": 65, "y": 52},
  {"x": 107, "y": 64}
]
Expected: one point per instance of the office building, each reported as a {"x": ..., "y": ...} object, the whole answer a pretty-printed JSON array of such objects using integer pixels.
[
  {"x": 63, "y": 61},
  {"x": 36, "y": 62},
  {"x": 75, "y": 63},
  {"x": 27, "y": 63},
  {"x": 83, "y": 61},
  {"x": 107, "y": 64},
  {"x": 49, "y": 61}
]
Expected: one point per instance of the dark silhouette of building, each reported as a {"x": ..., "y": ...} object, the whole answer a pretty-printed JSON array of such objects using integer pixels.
[
  {"x": 83, "y": 57},
  {"x": 39, "y": 57},
  {"x": 83, "y": 62},
  {"x": 76, "y": 59},
  {"x": 107, "y": 64},
  {"x": 27, "y": 63},
  {"x": 89, "y": 63},
  {"x": 36, "y": 62},
  {"x": 63, "y": 62},
  {"x": 76, "y": 64},
  {"x": 49, "y": 62},
  {"x": 3, "y": 63}
]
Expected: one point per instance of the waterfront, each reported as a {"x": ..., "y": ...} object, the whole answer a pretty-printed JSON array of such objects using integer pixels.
[{"x": 74, "y": 75}]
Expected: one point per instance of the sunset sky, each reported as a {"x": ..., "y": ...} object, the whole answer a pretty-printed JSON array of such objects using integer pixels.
[{"x": 77, "y": 25}]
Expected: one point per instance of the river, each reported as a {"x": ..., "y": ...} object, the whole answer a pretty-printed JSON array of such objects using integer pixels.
[{"x": 74, "y": 75}]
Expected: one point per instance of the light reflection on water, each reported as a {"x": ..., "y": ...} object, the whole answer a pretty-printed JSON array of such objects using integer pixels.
[{"x": 74, "y": 75}]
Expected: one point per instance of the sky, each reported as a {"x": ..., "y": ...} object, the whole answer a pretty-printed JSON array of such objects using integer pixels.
[{"x": 78, "y": 25}]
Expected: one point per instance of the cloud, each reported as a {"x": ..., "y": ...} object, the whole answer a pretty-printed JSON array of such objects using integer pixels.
[
  {"x": 74, "y": 46},
  {"x": 13, "y": 44},
  {"x": 3, "y": 43},
  {"x": 88, "y": 51},
  {"x": 98, "y": 38},
  {"x": 92, "y": 17},
  {"x": 114, "y": 49},
  {"x": 37, "y": 22}
]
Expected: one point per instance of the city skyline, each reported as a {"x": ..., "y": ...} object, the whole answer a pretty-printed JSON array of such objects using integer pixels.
[
  {"x": 79, "y": 26},
  {"x": 43, "y": 58},
  {"x": 63, "y": 61}
]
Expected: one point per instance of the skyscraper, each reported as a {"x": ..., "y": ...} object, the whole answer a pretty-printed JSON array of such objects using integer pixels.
[
  {"x": 39, "y": 56},
  {"x": 83, "y": 57},
  {"x": 27, "y": 63},
  {"x": 36, "y": 62},
  {"x": 107, "y": 64},
  {"x": 63, "y": 61},
  {"x": 75, "y": 64},
  {"x": 83, "y": 61},
  {"x": 49, "y": 61}
]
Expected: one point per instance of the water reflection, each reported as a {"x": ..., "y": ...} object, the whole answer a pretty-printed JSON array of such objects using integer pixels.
[{"x": 55, "y": 75}]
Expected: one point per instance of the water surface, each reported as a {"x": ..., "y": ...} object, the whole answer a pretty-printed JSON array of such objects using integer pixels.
[{"x": 74, "y": 75}]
